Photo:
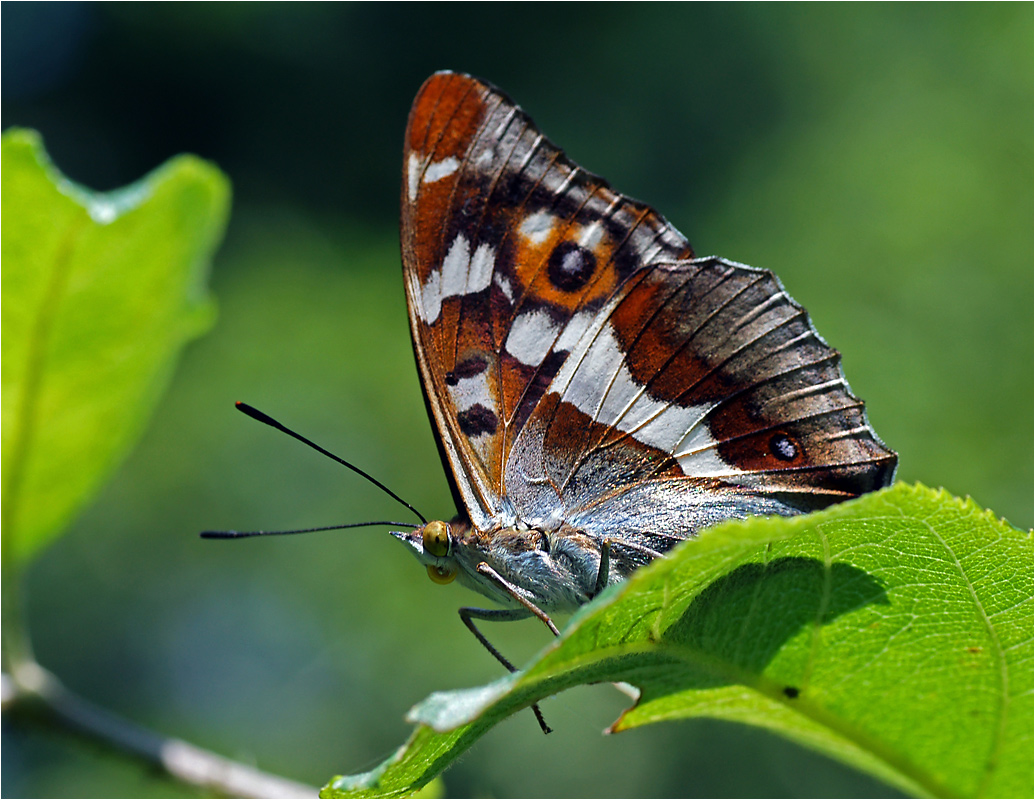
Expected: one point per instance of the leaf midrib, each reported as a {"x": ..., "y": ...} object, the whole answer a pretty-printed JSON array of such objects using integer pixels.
[
  {"x": 31, "y": 383},
  {"x": 999, "y": 737}
]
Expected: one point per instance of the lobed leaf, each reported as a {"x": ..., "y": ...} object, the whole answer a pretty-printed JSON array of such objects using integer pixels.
[
  {"x": 893, "y": 633},
  {"x": 100, "y": 292}
]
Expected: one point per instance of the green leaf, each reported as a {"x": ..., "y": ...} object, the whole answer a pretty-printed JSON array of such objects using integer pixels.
[
  {"x": 893, "y": 632},
  {"x": 100, "y": 292}
]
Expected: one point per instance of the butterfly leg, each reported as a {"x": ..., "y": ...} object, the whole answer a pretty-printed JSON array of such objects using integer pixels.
[
  {"x": 512, "y": 590},
  {"x": 605, "y": 567},
  {"x": 469, "y": 615},
  {"x": 601, "y": 584}
]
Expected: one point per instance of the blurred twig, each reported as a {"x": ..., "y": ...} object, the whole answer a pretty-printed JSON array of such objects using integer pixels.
[{"x": 33, "y": 691}]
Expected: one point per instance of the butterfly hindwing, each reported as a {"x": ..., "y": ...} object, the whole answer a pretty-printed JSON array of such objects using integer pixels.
[{"x": 702, "y": 392}]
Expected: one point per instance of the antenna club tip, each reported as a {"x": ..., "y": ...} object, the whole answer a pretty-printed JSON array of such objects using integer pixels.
[
  {"x": 254, "y": 413},
  {"x": 219, "y": 534}
]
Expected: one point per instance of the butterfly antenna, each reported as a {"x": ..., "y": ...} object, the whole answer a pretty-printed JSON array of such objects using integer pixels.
[
  {"x": 246, "y": 534},
  {"x": 254, "y": 413}
]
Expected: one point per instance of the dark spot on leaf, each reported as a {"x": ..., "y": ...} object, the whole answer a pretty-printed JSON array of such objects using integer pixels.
[
  {"x": 570, "y": 266},
  {"x": 791, "y": 691}
]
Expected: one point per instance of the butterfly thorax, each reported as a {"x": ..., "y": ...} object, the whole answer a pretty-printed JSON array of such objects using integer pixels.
[{"x": 555, "y": 570}]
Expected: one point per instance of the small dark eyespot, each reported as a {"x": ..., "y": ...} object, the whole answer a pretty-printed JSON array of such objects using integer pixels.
[
  {"x": 570, "y": 266},
  {"x": 791, "y": 691},
  {"x": 783, "y": 447}
]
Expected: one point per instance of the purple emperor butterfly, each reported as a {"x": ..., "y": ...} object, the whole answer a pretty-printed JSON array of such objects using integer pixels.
[{"x": 598, "y": 393}]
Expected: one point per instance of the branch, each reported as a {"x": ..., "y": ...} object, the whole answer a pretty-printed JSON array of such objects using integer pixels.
[{"x": 33, "y": 691}]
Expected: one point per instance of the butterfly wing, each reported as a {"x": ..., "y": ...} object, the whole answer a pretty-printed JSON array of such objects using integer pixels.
[
  {"x": 582, "y": 369},
  {"x": 701, "y": 392},
  {"x": 510, "y": 251}
]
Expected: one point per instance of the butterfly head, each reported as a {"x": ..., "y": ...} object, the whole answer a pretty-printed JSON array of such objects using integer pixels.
[
  {"x": 485, "y": 560},
  {"x": 433, "y": 544}
]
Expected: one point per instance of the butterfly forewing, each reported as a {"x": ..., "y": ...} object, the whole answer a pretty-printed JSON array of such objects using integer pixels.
[
  {"x": 510, "y": 250},
  {"x": 585, "y": 372}
]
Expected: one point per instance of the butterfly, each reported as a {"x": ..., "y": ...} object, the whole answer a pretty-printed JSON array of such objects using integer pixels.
[{"x": 598, "y": 393}]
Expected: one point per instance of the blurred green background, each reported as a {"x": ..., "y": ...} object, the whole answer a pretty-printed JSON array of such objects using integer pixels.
[{"x": 878, "y": 158}]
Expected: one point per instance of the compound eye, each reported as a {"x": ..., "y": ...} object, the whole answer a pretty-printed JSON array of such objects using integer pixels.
[
  {"x": 441, "y": 575},
  {"x": 436, "y": 539}
]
